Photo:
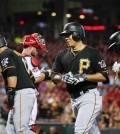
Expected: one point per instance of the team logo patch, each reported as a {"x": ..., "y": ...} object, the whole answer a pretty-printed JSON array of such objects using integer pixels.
[
  {"x": 102, "y": 64},
  {"x": 4, "y": 62},
  {"x": 35, "y": 69}
]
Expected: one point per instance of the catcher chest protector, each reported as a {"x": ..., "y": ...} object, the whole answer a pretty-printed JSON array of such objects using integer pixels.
[
  {"x": 75, "y": 29},
  {"x": 115, "y": 42},
  {"x": 2, "y": 41}
]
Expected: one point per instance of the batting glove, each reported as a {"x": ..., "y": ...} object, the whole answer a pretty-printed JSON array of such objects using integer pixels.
[
  {"x": 67, "y": 78},
  {"x": 116, "y": 67},
  {"x": 11, "y": 96},
  {"x": 77, "y": 78}
]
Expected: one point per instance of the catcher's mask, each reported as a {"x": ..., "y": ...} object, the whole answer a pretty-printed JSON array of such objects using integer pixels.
[
  {"x": 35, "y": 40},
  {"x": 115, "y": 42},
  {"x": 75, "y": 29},
  {"x": 2, "y": 41}
]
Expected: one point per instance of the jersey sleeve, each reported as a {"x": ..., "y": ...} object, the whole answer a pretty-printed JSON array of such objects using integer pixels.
[
  {"x": 34, "y": 69},
  {"x": 100, "y": 66},
  {"x": 57, "y": 66},
  {"x": 8, "y": 65},
  {"x": 99, "y": 63}
]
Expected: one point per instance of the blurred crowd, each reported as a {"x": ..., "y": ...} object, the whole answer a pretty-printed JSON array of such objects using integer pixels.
[{"x": 53, "y": 100}]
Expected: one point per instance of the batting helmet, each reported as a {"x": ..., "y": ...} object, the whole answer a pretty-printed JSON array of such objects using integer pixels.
[
  {"x": 115, "y": 42},
  {"x": 2, "y": 41},
  {"x": 35, "y": 40},
  {"x": 75, "y": 29}
]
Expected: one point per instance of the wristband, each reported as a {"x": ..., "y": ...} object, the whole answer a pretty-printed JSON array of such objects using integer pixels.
[
  {"x": 85, "y": 77},
  {"x": 47, "y": 77},
  {"x": 10, "y": 90}
]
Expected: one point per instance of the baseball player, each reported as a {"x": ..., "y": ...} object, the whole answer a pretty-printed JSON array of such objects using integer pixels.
[
  {"x": 81, "y": 68},
  {"x": 19, "y": 85},
  {"x": 32, "y": 43},
  {"x": 115, "y": 47}
]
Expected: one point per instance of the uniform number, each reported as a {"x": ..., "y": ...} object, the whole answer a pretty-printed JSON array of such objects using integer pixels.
[{"x": 26, "y": 66}]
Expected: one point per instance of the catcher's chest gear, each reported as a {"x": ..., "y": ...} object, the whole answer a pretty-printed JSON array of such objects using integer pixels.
[{"x": 34, "y": 61}]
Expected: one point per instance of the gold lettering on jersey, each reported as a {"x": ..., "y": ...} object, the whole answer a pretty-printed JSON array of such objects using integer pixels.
[
  {"x": 84, "y": 64},
  {"x": 26, "y": 66}
]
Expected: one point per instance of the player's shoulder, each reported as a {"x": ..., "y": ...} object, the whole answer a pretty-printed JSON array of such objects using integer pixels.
[
  {"x": 7, "y": 52},
  {"x": 31, "y": 60},
  {"x": 25, "y": 55},
  {"x": 64, "y": 51},
  {"x": 93, "y": 50}
]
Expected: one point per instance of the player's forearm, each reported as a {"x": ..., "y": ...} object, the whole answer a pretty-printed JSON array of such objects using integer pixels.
[
  {"x": 40, "y": 78},
  {"x": 12, "y": 81},
  {"x": 98, "y": 77}
]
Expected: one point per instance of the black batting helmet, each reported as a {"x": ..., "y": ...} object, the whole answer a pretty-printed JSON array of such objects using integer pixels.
[
  {"x": 115, "y": 42},
  {"x": 75, "y": 29},
  {"x": 2, "y": 41}
]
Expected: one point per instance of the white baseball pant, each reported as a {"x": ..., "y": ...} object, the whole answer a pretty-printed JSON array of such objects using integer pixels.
[
  {"x": 19, "y": 117},
  {"x": 86, "y": 108}
]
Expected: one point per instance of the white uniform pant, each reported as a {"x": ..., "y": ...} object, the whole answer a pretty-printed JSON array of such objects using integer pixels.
[
  {"x": 86, "y": 108},
  {"x": 34, "y": 111},
  {"x": 19, "y": 117}
]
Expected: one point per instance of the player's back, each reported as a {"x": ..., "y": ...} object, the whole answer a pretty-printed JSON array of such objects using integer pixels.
[{"x": 13, "y": 59}]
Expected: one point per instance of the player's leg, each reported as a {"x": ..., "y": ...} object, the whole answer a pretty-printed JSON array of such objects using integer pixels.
[
  {"x": 33, "y": 115},
  {"x": 86, "y": 109},
  {"x": 94, "y": 129},
  {"x": 10, "y": 125},
  {"x": 24, "y": 102}
]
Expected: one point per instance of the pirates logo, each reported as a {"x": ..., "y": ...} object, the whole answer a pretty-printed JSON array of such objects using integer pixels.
[
  {"x": 4, "y": 62},
  {"x": 102, "y": 63}
]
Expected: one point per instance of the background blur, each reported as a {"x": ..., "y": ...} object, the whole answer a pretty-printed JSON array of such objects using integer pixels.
[{"x": 47, "y": 17}]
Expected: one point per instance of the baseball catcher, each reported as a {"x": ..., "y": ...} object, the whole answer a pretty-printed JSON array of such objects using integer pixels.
[{"x": 31, "y": 44}]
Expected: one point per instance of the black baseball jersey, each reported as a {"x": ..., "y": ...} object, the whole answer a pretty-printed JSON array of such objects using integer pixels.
[
  {"x": 13, "y": 64},
  {"x": 87, "y": 61}
]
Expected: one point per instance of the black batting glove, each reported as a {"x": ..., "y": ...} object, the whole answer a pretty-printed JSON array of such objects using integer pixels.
[
  {"x": 11, "y": 96},
  {"x": 77, "y": 78}
]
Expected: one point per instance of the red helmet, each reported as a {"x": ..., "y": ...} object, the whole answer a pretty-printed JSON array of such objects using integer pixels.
[{"x": 35, "y": 40}]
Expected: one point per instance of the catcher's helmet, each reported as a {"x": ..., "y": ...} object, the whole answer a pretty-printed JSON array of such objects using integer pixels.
[
  {"x": 2, "y": 41},
  {"x": 35, "y": 40},
  {"x": 75, "y": 29},
  {"x": 115, "y": 42}
]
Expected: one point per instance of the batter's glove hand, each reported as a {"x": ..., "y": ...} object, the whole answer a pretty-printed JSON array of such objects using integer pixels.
[
  {"x": 116, "y": 67},
  {"x": 77, "y": 78},
  {"x": 11, "y": 96},
  {"x": 67, "y": 78}
]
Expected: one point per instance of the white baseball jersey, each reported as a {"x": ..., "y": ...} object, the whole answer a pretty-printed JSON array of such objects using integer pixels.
[{"x": 34, "y": 69}]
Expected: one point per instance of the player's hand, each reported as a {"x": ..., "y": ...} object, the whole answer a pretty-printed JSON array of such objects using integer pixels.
[
  {"x": 116, "y": 67},
  {"x": 11, "y": 96},
  {"x": 67, "y": 78},
  {"x": 79, "y": 78},
  {"x": 47, "y": 73}
]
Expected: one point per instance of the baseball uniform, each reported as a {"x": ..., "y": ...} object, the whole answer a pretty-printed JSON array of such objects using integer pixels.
[
  {"x": 12, "y": 64},
  {"x": 85, "y": 98}
]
